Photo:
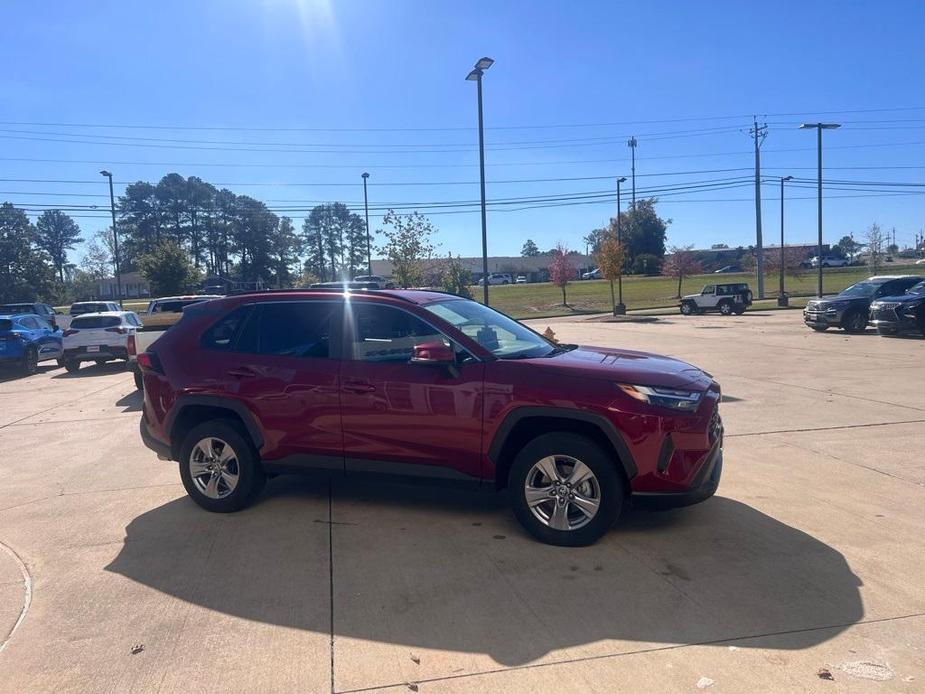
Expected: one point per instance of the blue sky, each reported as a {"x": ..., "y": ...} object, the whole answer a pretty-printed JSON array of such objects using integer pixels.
[{"x": 379, "y": 86}]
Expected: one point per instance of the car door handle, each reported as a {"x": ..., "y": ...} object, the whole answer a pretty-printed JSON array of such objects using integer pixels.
[
  {"x": 359, "y": 387},
  {"x": 243, "y": 372}
]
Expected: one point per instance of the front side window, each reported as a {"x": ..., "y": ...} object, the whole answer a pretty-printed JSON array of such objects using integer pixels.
[
  {"x": 709, "y": 289},
  {"x": 502, "y": 336},
  {"x": 385, "y": 333}
]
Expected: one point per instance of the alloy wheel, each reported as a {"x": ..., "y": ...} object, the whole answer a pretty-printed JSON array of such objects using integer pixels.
[
  {"x": 562, "y": 492},
  {"x": 213, "y": 467}
]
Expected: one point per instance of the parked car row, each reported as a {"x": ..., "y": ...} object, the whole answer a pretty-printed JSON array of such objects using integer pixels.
[{"x": 891, "y": 303}]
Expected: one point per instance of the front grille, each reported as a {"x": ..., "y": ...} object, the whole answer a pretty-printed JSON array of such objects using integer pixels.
[{"x": 892, "y": 305}]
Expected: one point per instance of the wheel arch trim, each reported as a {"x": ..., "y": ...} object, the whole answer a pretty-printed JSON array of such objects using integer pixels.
[
  {"x": 626, "y": 460},
  {"x": 185, "y": 402}
]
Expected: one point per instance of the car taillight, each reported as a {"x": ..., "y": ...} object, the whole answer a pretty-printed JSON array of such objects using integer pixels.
[
  {"x": 119, "y": 330},
  {"x": 130, "y": 347},
  {"x": 148, "y": 361},
  {"x": 70, "y": 332}
]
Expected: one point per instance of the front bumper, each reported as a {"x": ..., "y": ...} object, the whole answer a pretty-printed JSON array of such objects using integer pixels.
[
  {"x": 703, "y": 487},
  {"x": 830, "y": 318}
]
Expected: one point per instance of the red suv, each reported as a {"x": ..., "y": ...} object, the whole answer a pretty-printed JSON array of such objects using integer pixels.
[{"x": 425, "y": 384}]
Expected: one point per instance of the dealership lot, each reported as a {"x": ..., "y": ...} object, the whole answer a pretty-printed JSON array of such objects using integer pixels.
[{"x": 810, "y": 558}]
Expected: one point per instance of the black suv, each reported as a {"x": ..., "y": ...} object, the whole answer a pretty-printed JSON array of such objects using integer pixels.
[
  {"x": 901, "y": 313},
  {"x": 850, "y": 309}
]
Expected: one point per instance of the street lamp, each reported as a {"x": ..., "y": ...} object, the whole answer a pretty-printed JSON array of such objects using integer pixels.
[
  {"x": 369, "y": 243},
  {"x": 115, "y": 236},
  {"x": 782, "y": 299},
  {"x": 620, "y": 308},
  {"x": 476, "y": 76},
  {"x": 819, "y": 127}
]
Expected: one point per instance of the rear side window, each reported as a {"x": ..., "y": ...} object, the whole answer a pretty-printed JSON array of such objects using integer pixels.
[
  {"x": 91, "y": 322},
  {"x": 291, "y": 329},
  {"x": 221, "y": 336}
]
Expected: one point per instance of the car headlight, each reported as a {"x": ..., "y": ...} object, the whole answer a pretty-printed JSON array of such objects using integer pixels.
[{"x": 671, "y": 398}]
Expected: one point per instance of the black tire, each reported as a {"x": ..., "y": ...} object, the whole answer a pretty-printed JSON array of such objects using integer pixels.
[
  {"x": 688, "y": 308},
  {"x": 139, "y": 381},
  {"x": 726, "y": 308},
  {"x": 610, "y": 488},
  {"x": 819, "y": 328},
  {"x": 71, "y": 366},
  {"x": 854, "y": 322},
  {"x": 30, "y": 361},
  {"x": 738, "y": 309},
  {"x": 250, "y": 477}
]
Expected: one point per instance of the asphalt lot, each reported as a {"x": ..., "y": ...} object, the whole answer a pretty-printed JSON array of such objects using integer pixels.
[{"x": 809, "y": 558}]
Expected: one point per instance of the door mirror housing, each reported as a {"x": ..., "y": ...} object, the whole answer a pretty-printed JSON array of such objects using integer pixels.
[{"x": 433, "y": 354}]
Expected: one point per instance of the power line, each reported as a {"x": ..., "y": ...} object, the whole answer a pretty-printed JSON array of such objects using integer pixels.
[{"x": 696, "y": 119}]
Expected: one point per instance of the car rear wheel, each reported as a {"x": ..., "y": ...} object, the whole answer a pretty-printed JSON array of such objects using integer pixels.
[
  {"x": 565, "y": 490},
  {"x": 71, "y": 366},
  {"x": 820, "y": 328},
  {"x": 738, "y": 309},
  {"x": 219, "y": 467},
  {"x": 726, "y": 308},
  {"x": 139, "y": 381},
  {"x": 687, "y": 308},
  {"x": 30, "y": 361},
  {"x": 855, "y": 321}
]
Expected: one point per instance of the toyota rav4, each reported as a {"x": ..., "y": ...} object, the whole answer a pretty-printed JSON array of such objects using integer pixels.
[{"x": 428, "y": 385}]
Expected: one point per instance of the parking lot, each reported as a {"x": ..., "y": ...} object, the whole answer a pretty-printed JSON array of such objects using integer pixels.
[{"x": 808, "y": 561}]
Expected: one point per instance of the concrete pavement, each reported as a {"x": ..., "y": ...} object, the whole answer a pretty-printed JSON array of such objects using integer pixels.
[{"x": 809, "y": 559}]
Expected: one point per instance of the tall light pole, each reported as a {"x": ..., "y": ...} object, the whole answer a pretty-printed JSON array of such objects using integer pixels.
[
  {"x": 369, "y": 242},
  {"x": 620, "y": 308},
  {"x": 476, "y": 76},
  {"x": 115, "y": 236},
  {"x": 631, "y": 143},
  {"x": 819, "y": 127},
  {"x": 782, "y": 299}
]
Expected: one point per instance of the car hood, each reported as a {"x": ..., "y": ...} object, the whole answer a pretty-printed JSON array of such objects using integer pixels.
[
  {"x": 690, "y": 296},
  {"x": 628, "y": 366},
  {"x": 826, "y": 301},
  {"x": 903, "y": 298}
]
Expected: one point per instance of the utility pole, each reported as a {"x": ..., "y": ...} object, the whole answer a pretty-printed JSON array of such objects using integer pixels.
[
  {"x": 631, "y": 143},
  {"x": 369, "y": 241},
  {"x": 476, "y": 76},
  {"x": 115, "y": 236},
  {"x": 758, "y": 133},
  {"x": 620, "y": 308}
]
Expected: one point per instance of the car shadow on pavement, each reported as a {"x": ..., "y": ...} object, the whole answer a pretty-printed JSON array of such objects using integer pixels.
[
  {"x": 442, "y": 570},
  {"x": 13, "y": 373},
  {"x": 91, "y": 369},
  {"x": 131, "y": 402}
]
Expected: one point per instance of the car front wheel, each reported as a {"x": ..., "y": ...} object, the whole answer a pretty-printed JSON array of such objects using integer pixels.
[
  {"x": 565, "y": 490},
  {"x": 30, "y": 361},
  {"x": 687, "y": 308},
  {"x": 219, "y": 467},
  {"x": 855, "y": 322}
]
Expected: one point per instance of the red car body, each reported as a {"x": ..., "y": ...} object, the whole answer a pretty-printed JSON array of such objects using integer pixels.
[{"x": 458, "y": 424}]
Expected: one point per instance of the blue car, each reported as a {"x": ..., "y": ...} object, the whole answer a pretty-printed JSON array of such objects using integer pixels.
[{"x": 26, "y": 339}]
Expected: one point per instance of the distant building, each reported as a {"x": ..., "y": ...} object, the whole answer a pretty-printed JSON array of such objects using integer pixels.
[
  {"x": 534, "y": 268},
  {"x": 134, "y": 286}
]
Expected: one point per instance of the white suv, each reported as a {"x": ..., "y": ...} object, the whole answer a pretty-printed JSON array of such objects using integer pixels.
[
  {"x": 498, "y": 278},
  {"x": 727, "y": 298},
  {"x": 99, "y": 337}
]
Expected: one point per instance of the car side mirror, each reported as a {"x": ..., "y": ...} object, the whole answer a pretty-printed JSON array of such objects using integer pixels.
[{"x": 433, "y": 354}]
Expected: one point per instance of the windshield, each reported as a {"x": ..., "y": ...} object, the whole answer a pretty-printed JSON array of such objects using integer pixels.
[
  {"x": 917, "y": 288},
  {"x": 502, "y": 336},
  {"x": 861, "y": 290}
]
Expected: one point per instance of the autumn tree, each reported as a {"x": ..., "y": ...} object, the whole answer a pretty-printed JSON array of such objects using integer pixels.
[
  {"x": 561, "y": 269},
  {"x": 681, "y": 262},
  {"x": 610, "y": 257},
  {"x": 409, "y": 242}
]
